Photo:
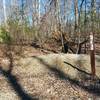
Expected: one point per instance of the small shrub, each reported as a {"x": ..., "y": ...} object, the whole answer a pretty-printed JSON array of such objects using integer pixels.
[{"x": 5, "y": 36}]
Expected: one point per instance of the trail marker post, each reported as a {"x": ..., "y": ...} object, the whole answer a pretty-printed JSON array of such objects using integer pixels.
[{"x": 92, "y": 54}]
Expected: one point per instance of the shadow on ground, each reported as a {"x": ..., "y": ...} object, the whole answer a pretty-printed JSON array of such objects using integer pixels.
[
  {"x": 91, "y": 87},
  {"x": 16, "y": 86},
  {"x": 13, "y": 81}
]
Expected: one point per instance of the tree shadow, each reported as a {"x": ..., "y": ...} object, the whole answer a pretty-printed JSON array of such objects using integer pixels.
[
  {"x": 11, "y": 60},
  {"x": 16, "y": 86},
  {"x": 91, "y": 88},
  {"x": 13, "y": 81}
]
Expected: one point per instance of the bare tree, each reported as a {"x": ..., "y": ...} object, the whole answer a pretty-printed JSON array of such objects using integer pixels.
[{"x": 76, "y": 13}]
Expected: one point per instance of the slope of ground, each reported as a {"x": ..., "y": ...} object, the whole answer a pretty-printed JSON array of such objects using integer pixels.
[{"x": 50, "y": 77}]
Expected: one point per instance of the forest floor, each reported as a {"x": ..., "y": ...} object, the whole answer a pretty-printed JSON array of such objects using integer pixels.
[{"x": 41, "y": 75}]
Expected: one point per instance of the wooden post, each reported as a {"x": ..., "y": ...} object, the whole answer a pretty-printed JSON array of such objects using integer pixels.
[{"x": 92, "y": 55}]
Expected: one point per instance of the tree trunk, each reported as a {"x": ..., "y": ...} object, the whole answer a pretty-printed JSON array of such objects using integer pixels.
[{"x": 76, "y": 13}]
